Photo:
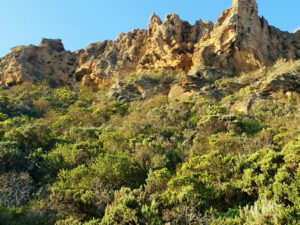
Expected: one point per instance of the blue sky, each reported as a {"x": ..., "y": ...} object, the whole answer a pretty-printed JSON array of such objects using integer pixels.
[{"x": 81, "y": 22}]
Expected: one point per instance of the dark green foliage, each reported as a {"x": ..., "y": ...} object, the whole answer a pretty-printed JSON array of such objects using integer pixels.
[
  {"x": 249, "y": 127},
  {"x": 205, "y": 182},
  {"x": 26, "y": 216},
  {"x": 88, "y": 188},
  {"x": 30, "y": 136}
]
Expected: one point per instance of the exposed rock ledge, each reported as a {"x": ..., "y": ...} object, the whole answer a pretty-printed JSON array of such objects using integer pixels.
[{"x": 240, "y": 41}]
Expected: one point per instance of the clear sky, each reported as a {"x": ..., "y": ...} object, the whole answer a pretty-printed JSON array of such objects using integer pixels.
[{"x": 81, "y": 22}]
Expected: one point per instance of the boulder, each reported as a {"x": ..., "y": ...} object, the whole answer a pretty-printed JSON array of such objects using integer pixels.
[
  {"x": 285, "y": 85},
  {"x": 140, "y": 89}
]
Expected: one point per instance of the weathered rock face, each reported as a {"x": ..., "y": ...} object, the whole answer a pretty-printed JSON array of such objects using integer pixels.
[
  {"x": 170, "y": 44},
  {"x": 165, "y": 45},
  {"x": 101, "y": 62},
  {"x": 240, "y": 41},
  {"x": 48, "y": 61}
]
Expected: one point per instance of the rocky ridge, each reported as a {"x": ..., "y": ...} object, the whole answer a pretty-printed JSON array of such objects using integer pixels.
[
  {"x": 48, "y": 61},
  {"x": 240, "y": 41}
]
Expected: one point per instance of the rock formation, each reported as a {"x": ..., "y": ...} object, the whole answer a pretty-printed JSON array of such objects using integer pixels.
[
  {"x": 101, "y": 62},
  {"x": 240, "y": 41},
  {"x": 165, "y": 45},
  {"x": 48, "y": 61},
  {"x": 140, "y": 89}
]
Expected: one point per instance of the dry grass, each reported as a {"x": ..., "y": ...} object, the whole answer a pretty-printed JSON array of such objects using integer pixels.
[
  {"x": 263, "y": 213},
  {"x": 282, "y": 66}
]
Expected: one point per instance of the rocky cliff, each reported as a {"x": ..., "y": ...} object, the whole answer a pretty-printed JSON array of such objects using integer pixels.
[{"x": 240, "y": 41}]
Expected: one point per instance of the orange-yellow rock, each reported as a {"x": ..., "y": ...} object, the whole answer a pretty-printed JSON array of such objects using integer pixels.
[{"x": 240, "y": 41}]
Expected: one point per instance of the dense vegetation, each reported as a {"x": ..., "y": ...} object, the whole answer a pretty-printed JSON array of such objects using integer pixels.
[{"x": 82, "y": 158}]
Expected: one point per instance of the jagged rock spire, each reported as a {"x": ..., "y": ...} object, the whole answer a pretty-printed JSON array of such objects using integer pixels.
[
  {"x": 241, "y": 41},
  {"x": 245, "y": 6},
  {"x": 155, "y": 21},
  {"x": 246, "y": 12}
]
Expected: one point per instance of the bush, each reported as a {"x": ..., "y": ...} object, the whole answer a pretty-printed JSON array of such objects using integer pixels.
[
  {"x": 124, "y": 209},
  {"x": 15, "y": 189},
  {"x": 263, "y": 213},
  {"x": 204, "y": 182},
  {"x": 87, "y": 190}
]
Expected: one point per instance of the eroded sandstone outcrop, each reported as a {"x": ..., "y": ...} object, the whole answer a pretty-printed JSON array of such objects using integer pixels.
[
  {"x": 167, "y": 44},
  {"x": 48, "y": 61},
  {"x": 240, "y": 41},
  {"x": 100, "y": 63}
]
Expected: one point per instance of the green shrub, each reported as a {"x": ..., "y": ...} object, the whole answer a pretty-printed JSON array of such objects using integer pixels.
[
  {"x": 124, "y": 209},
  {"x": 263, "y": 213},
  {"x": 203, "y": 181},
  {"x": 249, "y": 127},
  {"x": 88, "y": 188}
]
